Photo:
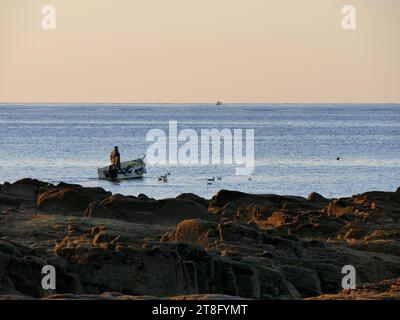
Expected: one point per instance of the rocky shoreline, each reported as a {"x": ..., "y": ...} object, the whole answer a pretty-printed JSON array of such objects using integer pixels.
[{"x": 235, "y": 245}]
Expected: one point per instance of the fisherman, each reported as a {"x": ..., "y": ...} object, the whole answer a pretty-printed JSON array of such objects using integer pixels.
[{"x": 115, "y": 158}]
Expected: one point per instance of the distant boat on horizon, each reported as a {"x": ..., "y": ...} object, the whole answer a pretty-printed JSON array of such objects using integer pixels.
[{"x": 219, "y": 103}]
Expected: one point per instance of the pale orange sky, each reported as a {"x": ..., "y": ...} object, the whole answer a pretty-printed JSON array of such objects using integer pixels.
[{"x": 200, "y": 51}]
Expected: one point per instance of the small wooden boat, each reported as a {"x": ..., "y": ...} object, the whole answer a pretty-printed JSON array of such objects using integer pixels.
[{"x": 133, "y": 169}]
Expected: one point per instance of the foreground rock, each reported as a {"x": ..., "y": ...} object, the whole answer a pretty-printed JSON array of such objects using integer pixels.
[
  {"x": 163, "y": 212},
  {"x": 69, "y": 199},
  {"x": 383, "y": 290},
  {"x": 106, "y": 246}
]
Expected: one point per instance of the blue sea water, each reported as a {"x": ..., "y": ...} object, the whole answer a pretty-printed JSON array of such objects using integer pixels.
[{"x": 296, "y": 146}]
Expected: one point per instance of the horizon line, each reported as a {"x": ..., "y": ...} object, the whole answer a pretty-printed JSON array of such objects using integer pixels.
[{"x": 208, "y": 102}]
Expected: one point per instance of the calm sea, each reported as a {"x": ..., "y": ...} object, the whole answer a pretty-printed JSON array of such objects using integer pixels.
[{"x": 296, "y": 146}]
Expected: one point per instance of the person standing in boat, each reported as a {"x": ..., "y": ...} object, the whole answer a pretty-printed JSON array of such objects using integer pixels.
[{"x": 115, "y": 158}]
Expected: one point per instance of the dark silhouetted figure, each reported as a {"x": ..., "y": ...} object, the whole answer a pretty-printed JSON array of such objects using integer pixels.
[{"x": 115, "y": 158}]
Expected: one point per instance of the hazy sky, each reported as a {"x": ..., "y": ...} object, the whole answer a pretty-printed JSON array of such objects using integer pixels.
[{"x": 200, "y": 51}]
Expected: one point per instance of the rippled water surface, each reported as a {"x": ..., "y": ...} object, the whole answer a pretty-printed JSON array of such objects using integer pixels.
[{"x": 296, "y": 146}]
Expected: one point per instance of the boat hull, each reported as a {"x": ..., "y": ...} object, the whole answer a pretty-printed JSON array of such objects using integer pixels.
[{"x": 134, "y": 169}]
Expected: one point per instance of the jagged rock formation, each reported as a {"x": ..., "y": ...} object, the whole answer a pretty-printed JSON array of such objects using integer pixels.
[{"x": 234, "y": 245}]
